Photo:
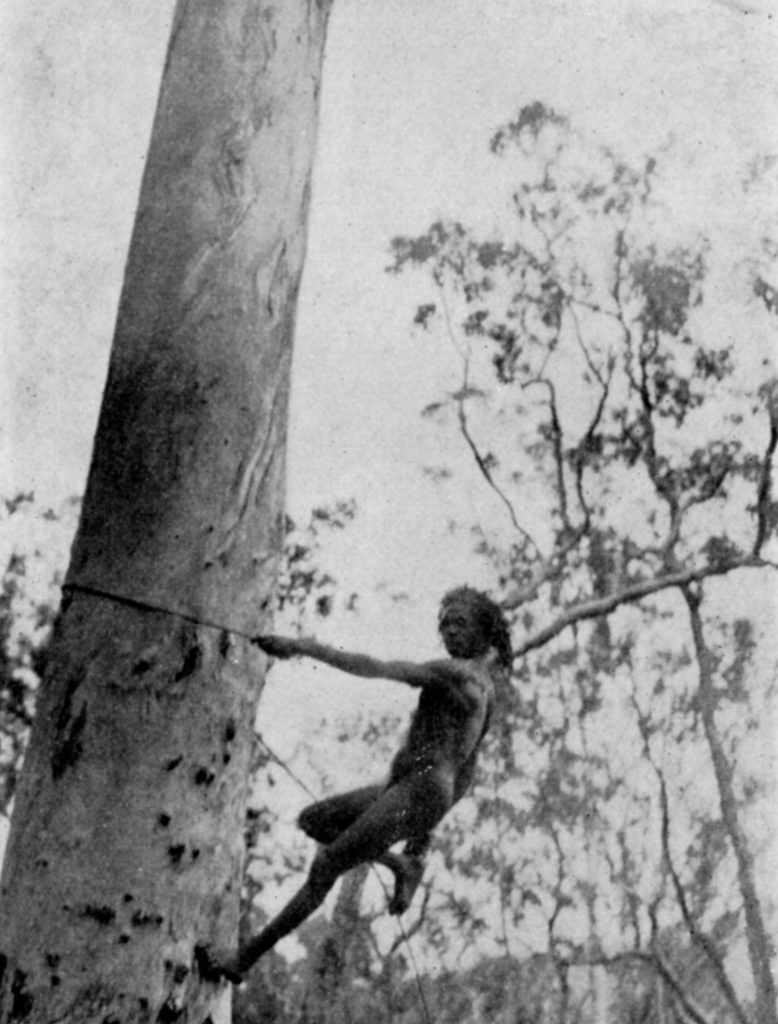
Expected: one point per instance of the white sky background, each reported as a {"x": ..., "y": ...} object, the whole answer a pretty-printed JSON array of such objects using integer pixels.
[{"x": 413, "y": 89}]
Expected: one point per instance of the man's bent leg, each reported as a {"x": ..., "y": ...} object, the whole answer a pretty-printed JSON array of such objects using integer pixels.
[
  {"x": 408, "y": 809},
  {"x": 325, "y": 820},
  {"x": 322, "y": 876}
]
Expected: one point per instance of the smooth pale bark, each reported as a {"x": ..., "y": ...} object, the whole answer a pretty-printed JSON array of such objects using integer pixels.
[{"x": 126, "y": 844}]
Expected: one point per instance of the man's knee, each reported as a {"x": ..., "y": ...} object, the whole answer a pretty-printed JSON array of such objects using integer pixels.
[
  {"x": 307, "y": 820},
  {"x": 316, "y": 824}
]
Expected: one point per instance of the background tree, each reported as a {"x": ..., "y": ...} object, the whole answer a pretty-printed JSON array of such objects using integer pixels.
[
  {"x": 629, "y": 448},
  {"x": 612, "y": 865},
  {"x": 132, "y": 794}
]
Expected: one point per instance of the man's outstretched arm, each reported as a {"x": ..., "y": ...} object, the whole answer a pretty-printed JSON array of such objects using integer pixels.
[{"x": 364, "y": 665}]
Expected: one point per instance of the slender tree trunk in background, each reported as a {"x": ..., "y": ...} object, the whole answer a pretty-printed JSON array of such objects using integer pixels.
[
  {"x": 757, "y": 938},
  {"x": 126, "y": 844},
  {"x": 332, "y": 963}
]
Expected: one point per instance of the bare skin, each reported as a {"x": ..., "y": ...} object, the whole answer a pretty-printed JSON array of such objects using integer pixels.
[{"x": 431, "y": 771}]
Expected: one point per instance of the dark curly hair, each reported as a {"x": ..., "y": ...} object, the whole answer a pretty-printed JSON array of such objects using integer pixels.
[{"x": 489, "y": 617}]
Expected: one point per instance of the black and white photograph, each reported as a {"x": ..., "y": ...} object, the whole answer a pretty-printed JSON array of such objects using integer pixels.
[{"x": 389, "y": 512}]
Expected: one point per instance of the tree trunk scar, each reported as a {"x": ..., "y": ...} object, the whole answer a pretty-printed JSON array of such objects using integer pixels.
[
  {"x": 267, "y": 39},
  {"x": 68, "y": 728},
  {"x": 70, "y": 748},
  {"x": 278, "y": 281},
  {"x": 251, "y": 475},
  {"x": 191, "y": 662},
  {"x": 194, "y": 285},
  {"x": 231, "y": 165},
  {"x": 272, "y": 270}
]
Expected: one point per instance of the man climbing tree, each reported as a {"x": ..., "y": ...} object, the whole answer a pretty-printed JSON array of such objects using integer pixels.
[
  {"x": 125, "y": 850},
  {"x": 430, "y": 773}
]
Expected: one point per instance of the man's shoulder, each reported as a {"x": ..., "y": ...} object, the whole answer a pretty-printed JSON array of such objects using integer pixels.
[
  {"x": 461, "y": 678},
  {"x": 453, "y": 669}
]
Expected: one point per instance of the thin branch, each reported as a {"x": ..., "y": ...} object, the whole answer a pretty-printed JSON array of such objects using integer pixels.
[
  {"x": 764, "y": 487},
  {"x": 596, "y": 607},
  {"x": 483, "y": 466},
  {"x": 557, "y": 447},
  {"x": 654, "y": 960},
  {"x": 464, "y": 427},
  {"x": 544, "y": 268},
  {"x": 697, "y": 936},
  {"x": 461, "y": 398},
  {"x": 586, "y": 444},
  {"x": 570, "y": 303},
  {"x": 672, "y": 982},
  {"x": 663, "y": 486},
  {"x": 641, "y": 387},
  {"x": 757, "y": 939},
  {"x": 502, "y": 829},
  {"x": 548, "y": 569},
  {"x": 406, "y": 933},
  {"x": 551, "y": 567}
]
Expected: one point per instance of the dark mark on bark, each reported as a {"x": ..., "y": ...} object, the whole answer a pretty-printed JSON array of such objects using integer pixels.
[
  {"x": 176, "y": 852},
  {"x": 67, "y": 746},
  {"x": 143, "y": 920},
  {"x": 21, "y": 999},
  {"x": 191, "y": 663},
  {"x": 103, "y": 915},
  {"x": 180, "y": 974},
  {"x": 224, "y": 643},
  {"x": 204, "y": 777}
]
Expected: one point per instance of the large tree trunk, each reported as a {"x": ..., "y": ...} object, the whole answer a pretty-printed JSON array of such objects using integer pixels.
[{"x": 126, "y": 845}]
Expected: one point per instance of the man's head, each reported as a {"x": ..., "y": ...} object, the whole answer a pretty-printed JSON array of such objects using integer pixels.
[{"x": 470, "y": 623}]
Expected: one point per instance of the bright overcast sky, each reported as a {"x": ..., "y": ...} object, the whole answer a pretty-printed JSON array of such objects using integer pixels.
[{"x": 412, "y": 91}]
